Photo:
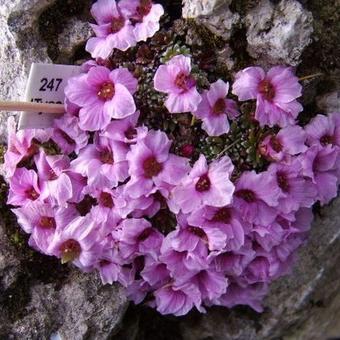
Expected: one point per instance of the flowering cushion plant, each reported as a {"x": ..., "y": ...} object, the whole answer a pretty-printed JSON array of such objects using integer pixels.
[{"x": 129, "y": 182}]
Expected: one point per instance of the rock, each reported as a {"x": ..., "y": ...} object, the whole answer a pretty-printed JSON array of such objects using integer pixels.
[
  {"x": 20, "y": 45},
  {"x": 74, "y": 35},
  {"x": 81, "y": 309},
  {"x": 329, "y": 102},
  {"x": 197, "y": 8},
  {"x": 215, "y": 15},
  {"x": 278, "y": 33}
]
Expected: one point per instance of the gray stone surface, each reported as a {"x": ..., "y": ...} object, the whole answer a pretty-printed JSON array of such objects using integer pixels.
[
  {"x": 74, "y": 35},
  {"x": 329, "y": 102},
  {"x": 20, "y": 45},
  {"x": 23, "y": 42},
  {"x": 81, "y": 309},
  {"x": 197, "y": 8},
  {"x": 215, "y": 15},
  {"x": 278, "y": 33}
]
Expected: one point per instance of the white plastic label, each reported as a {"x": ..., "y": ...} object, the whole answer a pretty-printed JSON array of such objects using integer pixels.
[{"x": 46, "y": 84}]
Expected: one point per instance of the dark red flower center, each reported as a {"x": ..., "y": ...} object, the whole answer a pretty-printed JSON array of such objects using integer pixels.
[
  {"x": 117, "y": 24},
  {"x": 105, "y": 199},
  {"x": 107, "y": 91},
  {"x": 187, "y": 150},
  {"x": 32, "y": 150},
  {"x": 275, "y": 144},
  {"x": 326, "y": 139},
  {"x": 222, "y": 215},
  {"x": 144, "y": 8},
  {"x": 85, "y": 206},
  {"x": 52, "y": 175},
  {"x": 106, "y": 156},
  {"x": 103, "y": 263},
  {"x": 47, "y": 222},
  {"x": 65, "y": 136},
  {"x": 184, "y": 81},
  {"x": 267, "y": 90},
  {"x": 144, "y": 234},
  {"x": 219, "y": 107},
  {"x": 151, "y": 167},
  {"x": 198, "y": 232},
  {"x": 130, "y": 133},
  {"x": 203, "y": 184},
  {"x": 282, "y": 181},
  {"x": 31, "y": 194},
  {"x": 247, "y": 195},
  {"x": 69, "y": 250}
]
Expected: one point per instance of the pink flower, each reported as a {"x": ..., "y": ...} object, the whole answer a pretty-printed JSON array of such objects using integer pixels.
[
  {"x": 261, "y": 269},
  {"x": 257, "y": 203},
  {"x": 102, "y": 94},
  {"x": 296, "y": 191},
  {"x": 188, "y": 237},
  {"x": 289, "y": 141},
  {"x": 155, "y": 273},
  {"x": 77, "y": 243},
  {"x": 275, "y": 92},
  {"x": 135, "y": 207},
  {"x": 126, "y": 130},
  {"x": 174, "y": 79},
  {"x": 114, "y": 30},
  {"x": 177, "y": 300},
  {"x": 109, "y": 264},
  {"x": 225, "y": 220},
  {"x": 324, "y": 130},
  {"x": 151, "y": 167},
  {"x": 106, "y": 211},
  {"x": 104, "y": 163},
  {"x": 320, "y": 164},
  {"x": 185, "y": 252},
  {"x": 67, "y": 134},
  {"x": 209, "y": 283},
  {"x": 41, "y": 220},
  {"x": 24, "y": 187},
  {"x": 144, "y": 15},
  {"x": 215, "y": 109},
  {"x": 251, "y": 295},
  {"x": 138, "y": 237},
  {"x": 233, "y": 263},
  {"x": 22, "y": 146},
  {"x": 269, "y": 235},
  {"x": 58, "y": 184},
  {"x": 205, "y": 185}
]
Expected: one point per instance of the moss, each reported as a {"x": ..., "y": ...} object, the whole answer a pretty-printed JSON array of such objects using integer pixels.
[{"x": 2, "y": 153}]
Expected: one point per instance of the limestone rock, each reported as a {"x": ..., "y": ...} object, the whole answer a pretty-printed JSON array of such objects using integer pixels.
[
  {"x": 82, "y": 308},
  {"x": 74, "y": 35},
  {"x": 215, "y": 15},
  {"x": 278, "y": 33},
  {"x": 20, "y": 45},
  {"x": 330, "y": 102},
  {"x": 197, "y": 8}
]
